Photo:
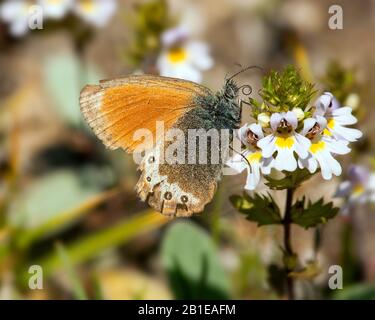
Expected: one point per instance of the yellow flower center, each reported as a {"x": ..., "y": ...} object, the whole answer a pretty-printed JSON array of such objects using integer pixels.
[
  {"x": 316, "y": 147},
  {"x": 286, "y": 142},
  {"x": 326, "y": 132},
  {"x": 331, "y": 123},
  {"x": 177, "y": 55},
  {"x": 87, "y": 5},
  {"x": 358, "y": 189},
  {"x": 254, "y": 157}
]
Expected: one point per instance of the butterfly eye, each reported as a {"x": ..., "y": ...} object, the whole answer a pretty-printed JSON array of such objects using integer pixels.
[
  {"x": 184, "y": 199},
  {"x": 151, "y": 159},
  {"x": 148, "y": 179},
  {"x": 168, "y": 196}
]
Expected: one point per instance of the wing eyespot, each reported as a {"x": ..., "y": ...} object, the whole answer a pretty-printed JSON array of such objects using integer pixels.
[{"x": 168, "y": 195}]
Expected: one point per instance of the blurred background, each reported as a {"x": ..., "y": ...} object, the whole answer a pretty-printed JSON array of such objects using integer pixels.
[{"x": 68, "y": 205}]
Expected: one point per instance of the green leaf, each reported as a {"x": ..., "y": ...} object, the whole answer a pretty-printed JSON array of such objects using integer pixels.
[
  {"x": 313, "y": 214},
  {"x": 289, "y": 181},
  {"x": 77, "y": 286},
  {"x": 64, "y": 77},
  {"x": 24, "y": 238},
  {"x": 258, "y": 208},
  {"x": 362, "y": 291},
  {"x": 89, "y": 246},
  {"x": 48, "y": 197},
  {"x": 190, "y": 259}
]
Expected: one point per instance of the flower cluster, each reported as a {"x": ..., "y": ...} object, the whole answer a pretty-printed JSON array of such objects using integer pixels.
[
  {"x": 290, "y": 133},
  {"x": 182, "y": 57},
  {"x": 19, "y": 14},
  {"x": 359, "y": 188}
]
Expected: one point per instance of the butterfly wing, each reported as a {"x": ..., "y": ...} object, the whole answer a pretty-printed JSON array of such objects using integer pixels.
[
  {"x": 115, "y": 109},
  {"x": 180, "y": 189}
]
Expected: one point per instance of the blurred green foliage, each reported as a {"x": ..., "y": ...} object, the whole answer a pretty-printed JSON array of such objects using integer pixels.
[
  {"x": 190, "y": 259},
  {"x": 65, "y": 93},
  {"x": 151, "y": 19},
  {"x": 341, "y": 82}
]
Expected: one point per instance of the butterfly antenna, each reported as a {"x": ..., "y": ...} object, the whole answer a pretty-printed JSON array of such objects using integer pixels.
[{"x": 243, "y": 70}]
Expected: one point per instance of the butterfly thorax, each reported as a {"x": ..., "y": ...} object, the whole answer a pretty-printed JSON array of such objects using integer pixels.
[{"x": 221, "y": 109}]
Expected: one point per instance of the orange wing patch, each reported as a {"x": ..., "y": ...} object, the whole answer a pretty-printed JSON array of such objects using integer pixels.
[{"x": 115, "y": 109}]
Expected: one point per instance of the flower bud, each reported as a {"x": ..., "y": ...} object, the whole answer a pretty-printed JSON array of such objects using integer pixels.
[
  {"x": 352, "y": 101},
  {"x": 299, "y": 113},
  {"x": 264, "y": 119}
]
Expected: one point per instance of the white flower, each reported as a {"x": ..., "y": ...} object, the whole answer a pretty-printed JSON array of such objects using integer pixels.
[
  {"x": 182, "y": 58},
  {"x": 337, "y": 118},
  {"x": 321, "y": 149},
  {"x": 358, "y": 189},
  {"x": 95, "y": 12},
  {"x": 55, "y": 9},
  {"x": 16, "y": 14},
  {"x": 251, "y": 160},
  {"x": 285, "y": 140}
]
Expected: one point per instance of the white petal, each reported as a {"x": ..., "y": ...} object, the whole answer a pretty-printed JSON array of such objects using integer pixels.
[
  {"x": 336, "y": 146},
  {"x": 291, "y": 118},
  {"x": 199, "y": 55},
  {"x": 179, "y": 70},
  {"x": 19, "y": 27},
  {"x": 174, "y": 35},
  {"x": 237, "y": 163},
  {"x": 348, "y": 134},
  {"x": 344, "y": 116},
  {"x": 267, "y": 144},
  {"x": 371, "y": 182},
  {"x": 242, "y": 133},
  {"x": 358, "y": 174},
  {"x": 328, "y": 164},
  {"x": 344, "y": 189},
  {"x": 323, "y": 102},
  {"x": 99, "y": 14},
  {"x": 55, "y": 9},
  {"x": 275, "y": 120},
  {"x": 257, "y": 129},
  {"x": 13, "y": 10},
  {"x": 302, "y": 145},
  {"x": 309, "y": 163},
  {"x": 321, "y": 121},
  {"x": 307, "y": 125},
  {"x": 266, "y": 165},
  {"x": 253, "y": 177},
  {"x": 285, "y": 160}
]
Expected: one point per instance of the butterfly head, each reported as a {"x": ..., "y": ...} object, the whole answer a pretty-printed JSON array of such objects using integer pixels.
[{"x": 230, "y": 90}]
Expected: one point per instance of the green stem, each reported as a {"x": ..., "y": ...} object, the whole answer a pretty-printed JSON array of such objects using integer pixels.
[{"x": 288, "y": 244}]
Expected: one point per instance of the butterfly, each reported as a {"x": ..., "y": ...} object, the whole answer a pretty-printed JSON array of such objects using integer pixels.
[{"x": 116, "y": 108}]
